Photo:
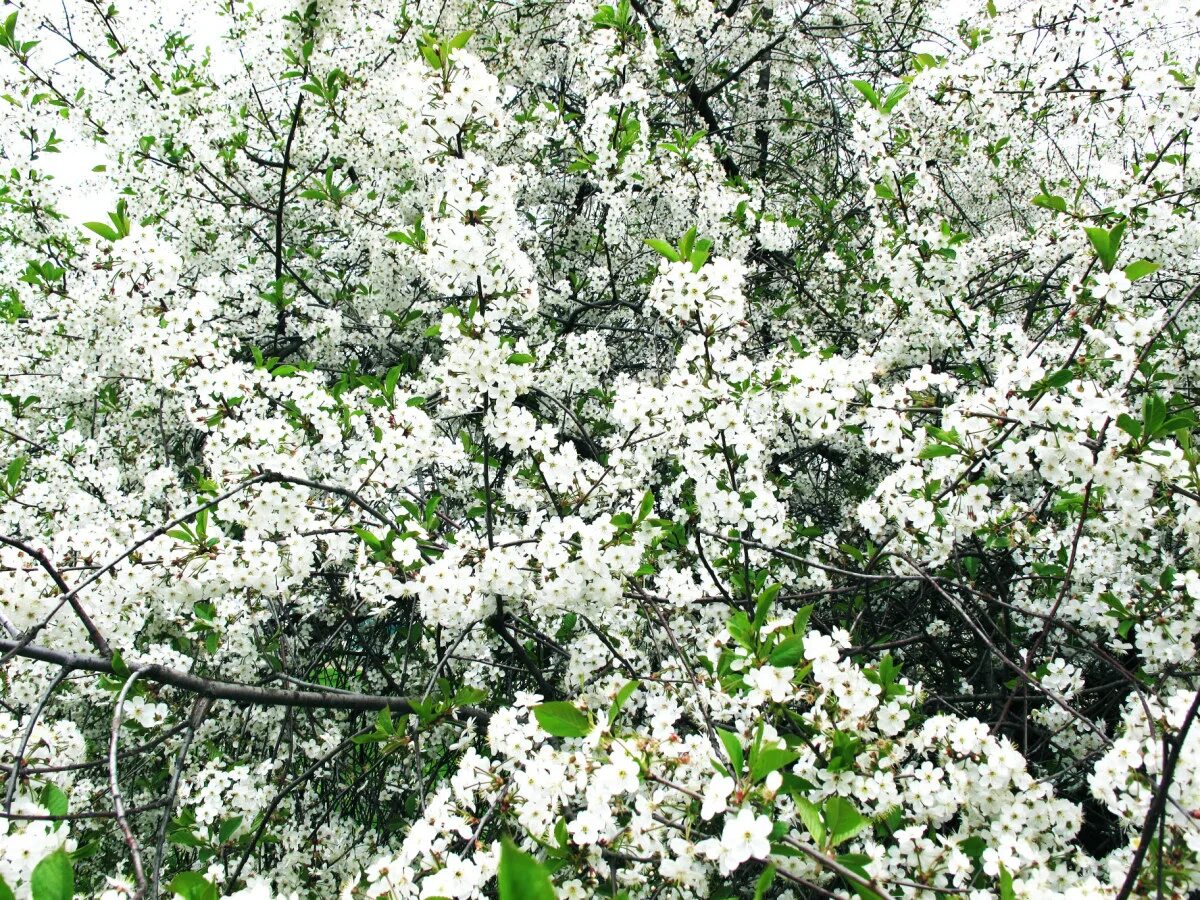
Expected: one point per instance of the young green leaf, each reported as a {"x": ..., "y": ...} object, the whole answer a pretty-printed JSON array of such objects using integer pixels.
[
  {"x": 788, "y": 652},
  {"x": 192, "y": 886},
  {"x": 562, "y": 719},
  {"x": 622, "y": 697},
  {"x": 842, "y": 820},
  {"x": 104, "y": 230},
  {"x": 1099, "y": 240},
  {"x": 663, "y": 248},
  {"x": 933, "y": 451},
  {"x": 800, "y": 621},
  {"x": 1049, "y": 201},
  {"x": 810, "y": 815},
  {"x": 768, "y": 760},
  {"x": 733, "y": 747},
  {"x": 1106, "y": 243},
  {"x": 389, "y": 382},
  {"x": 228, "y": 827},
  {"x": 1006, "y": 885},
  {"x": 520, "y": 876},
  {"x": 54, "y": 800},
  {"x": 867, "y": 91},
  {"x": 764, "y": 882},
  {"x": 763, "y": 605},
  {"x": 53, "y": 878},
  {"x": 894, "y": 96},
  {"x": 14, "y": 470},
  {"x": 647, "y": 506},
  {"x": 1141, "y": 269},
  {"x": 1061, "y": 378},
  {"x": 687, "y": 242}
]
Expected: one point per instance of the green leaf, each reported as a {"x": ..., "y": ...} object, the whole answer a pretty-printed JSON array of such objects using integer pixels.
[
  {"x": 184, "y": 837},
  {"x": 663, "y": 248},
  {"x": 12, "y": 474},
  {"x": 520, "y": 359},
  {"x": 1114, "y": 237},
  {"x": 1106, "y": 243},
  {"x": 932, "y": 451},
  {"x": 811, "y": 817},
  {"x": 972, "y": 846},
  {"x": 734, "y": 748},
  {"x": 469, "y": 696},
  {"x": 1141, "y": 269},
  {"x": 741, "y": 630},
  {"x": 687, "y": 242},
  {"x": 1006, "y": 885},
  {"x": 867, "y": 91},
  {"x": 857, "y": 863},
  {"x": 764, "y": 882},
  {"x": 1154, "y": 414},
  {"x": 104, "y": 230},
  {"x": 193, "y": 886},
  {"x": 1061, "y": 378},
  {"x": 520, "y": 876},
  {"x": 646, "y": 507},
  {"x": 560, "y": 833},
  {"x": 5, "y": 891},
  {"x": 431, "y": 57},
  {"x": 1099, "y": 240},
  {"x": 389, "y": 382},
  {"x": 895, "y": 96},
  {"x": 768, "y": 760},
  {"x": 53, "y": 878},
  {"x": 788, "y": 652},
  {"x": 54, "y": 800},
  {"x": 1175, "y": 423},
  {"x": 800, "y": 622},
  {"x": 623, "y": 696},
  {"x": 228, "y": 827},
  {"x": 562, "y": 719},
  {"x": 460, "y": 40},
  {"x": 118, "y": 665},
  {"x": 842, "y": 820},
  {"x": 1049, "y": 201},
  {"x": 763, "y": 606},
  {"x": 1129, "y": 425},
  {"x": 567, "y": 627},
  {"x": 373, "y": 738},
  {"x": 367, "y": 538}
]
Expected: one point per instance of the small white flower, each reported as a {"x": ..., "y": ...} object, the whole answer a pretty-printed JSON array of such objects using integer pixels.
[
  {"x": 744, "y": 836},
  {"x": 715, "y": 796}
]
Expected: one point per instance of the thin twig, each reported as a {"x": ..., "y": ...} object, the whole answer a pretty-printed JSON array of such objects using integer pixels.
[{"x": 135, "y": 852}]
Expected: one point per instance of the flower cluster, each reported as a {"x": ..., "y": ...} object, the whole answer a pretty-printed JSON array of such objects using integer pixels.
[{"x": 639, "y": 449}]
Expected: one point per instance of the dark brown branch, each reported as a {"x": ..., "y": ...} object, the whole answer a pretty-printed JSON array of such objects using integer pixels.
[
  {"x": 231, "y": 690},
  {"x": 94, "y": 634},
  {"x": 1158, "y": 804}
]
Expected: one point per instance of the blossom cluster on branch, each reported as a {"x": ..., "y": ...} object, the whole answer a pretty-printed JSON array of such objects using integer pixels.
[{"x": 646, "y": 449}]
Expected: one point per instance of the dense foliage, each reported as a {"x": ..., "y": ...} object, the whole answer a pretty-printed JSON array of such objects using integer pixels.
[{"x": 653, "y": 449}]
